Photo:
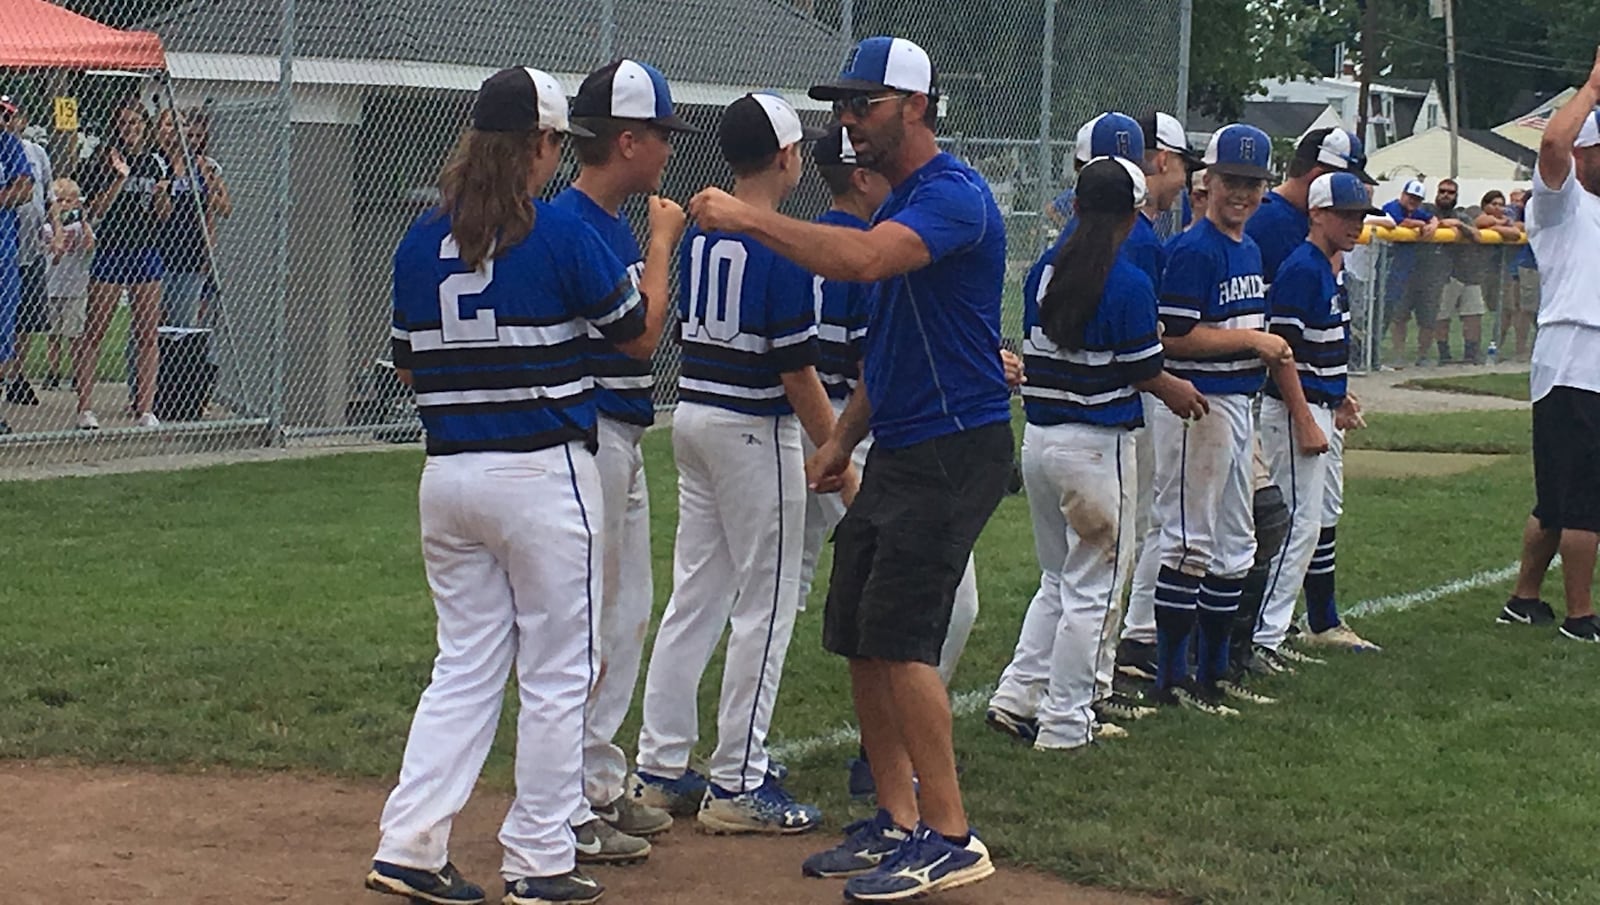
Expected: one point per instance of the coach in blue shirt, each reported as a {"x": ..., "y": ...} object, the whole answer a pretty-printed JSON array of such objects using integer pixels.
[{"x": 935, "y": 395}]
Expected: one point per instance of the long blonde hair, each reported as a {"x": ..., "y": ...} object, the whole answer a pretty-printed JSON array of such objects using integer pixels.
[{"x": 484, "y": 188}]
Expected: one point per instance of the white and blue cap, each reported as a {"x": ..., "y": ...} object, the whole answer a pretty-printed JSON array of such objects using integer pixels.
[
  {"x": 1110, "y": 185},
  {"x": 521, "y": 99},
  {"x": 1111, "y": 135},
  {"x": 759, "y": 125},
  {"x": 1335, "y": 148},
  {"x": 629, "y": 89},
  {"x": 1415, "y": 188},
  {"x": 1240, "y": 150},
  {"x": 882, "y": 64},
  {"x": 1340, "y": 192},
  {"x": 1589, "y": 135}
]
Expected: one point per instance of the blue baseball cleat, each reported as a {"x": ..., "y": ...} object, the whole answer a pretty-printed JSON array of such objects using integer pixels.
[
  {"x": 679, "y": 796},
  {"x": 444, "y": 886},
  {"x": 925, "y": 863},
  {"x": 866, "y": 844}
]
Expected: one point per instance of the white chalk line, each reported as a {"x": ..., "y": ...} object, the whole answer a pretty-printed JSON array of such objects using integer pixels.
[{"x": 967, "y": 703}]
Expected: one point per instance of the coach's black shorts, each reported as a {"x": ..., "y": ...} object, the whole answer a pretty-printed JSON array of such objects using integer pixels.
[
  {"x": 33, "y": 314},
  {"x": 1566, "y": 459},
  {"x": 902, "y": 547}
]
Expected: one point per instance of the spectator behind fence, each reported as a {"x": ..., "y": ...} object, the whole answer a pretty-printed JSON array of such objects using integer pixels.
[
  {"x": 1459, "y": 271},
  {"x": 187, "y": 236},
  {"x": 71, "y": 251},
  {"x": 31, "y": 259},
  {"x": 127, "y": 187},
  {"x": 1490, "y": 215},
  {"x": 16, "y": 188},
  {"x": 1404, "y": 295},
  {"x": 1524, "y": 305}
]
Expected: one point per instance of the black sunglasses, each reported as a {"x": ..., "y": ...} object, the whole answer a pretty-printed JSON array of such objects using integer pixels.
[{"x": 859, "y": 105}]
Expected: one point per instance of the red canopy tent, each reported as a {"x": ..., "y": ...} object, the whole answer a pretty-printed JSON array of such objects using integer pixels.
[{"x": 35, "y": 33}]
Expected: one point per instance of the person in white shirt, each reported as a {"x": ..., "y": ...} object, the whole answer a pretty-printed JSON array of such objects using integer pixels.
[{"x": 1564, "y": 229}]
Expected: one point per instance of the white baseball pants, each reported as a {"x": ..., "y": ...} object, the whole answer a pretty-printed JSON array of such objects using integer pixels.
[
  {"x": 1313, "y": 489},
  {"x": 1139, "y": 623},
  {"x": 1080, "y": 481},
  {"x": 624, "y": 611},
  {"x": 511, "y": 547},
  {"x": 1204, "y": 488},
  {"x": 736, "y": 566},
  {"x": 823, "y": 512}
]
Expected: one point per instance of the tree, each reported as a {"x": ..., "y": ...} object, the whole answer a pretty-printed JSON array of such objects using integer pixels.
[{"x": 1238, "y": 44}]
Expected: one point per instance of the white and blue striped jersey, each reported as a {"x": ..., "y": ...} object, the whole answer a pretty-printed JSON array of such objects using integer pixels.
[
  {"x": 1309, "y": 306},
  {"x": 746, "y": 317},
  {"x": 1094, "y": 384},
  {"x": 1214, "y": 281},
  {"x": 499, "y": 356},
  {"x": 843, "y": 310}
]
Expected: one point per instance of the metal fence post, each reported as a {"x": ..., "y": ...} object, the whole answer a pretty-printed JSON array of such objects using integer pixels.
[
  {"x": 282, "y": 193},
  {"x": 1047, "y": 65},
  {"x": 1185, "y": 36}
]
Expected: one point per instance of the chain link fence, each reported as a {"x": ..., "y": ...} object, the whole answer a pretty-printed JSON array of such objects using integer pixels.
[{"x": 310, "y": 132}]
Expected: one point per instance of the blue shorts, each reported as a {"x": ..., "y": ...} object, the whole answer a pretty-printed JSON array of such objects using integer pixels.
[
  {"x": 126, "y": 266},
  {"x": 10, "y": 301}
]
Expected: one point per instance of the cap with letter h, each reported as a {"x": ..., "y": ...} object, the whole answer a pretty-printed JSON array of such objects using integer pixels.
[
  {"x": 1111, "y": 135},
  {"x": 879, "y": 64},
  {"x": 523, "y": 99},
  {"x": 1240, "y": 150},
  {"x": 759, "y": 125},
  {"x": 629, "y": 89},
  {"x": 1340, "y": 192}
]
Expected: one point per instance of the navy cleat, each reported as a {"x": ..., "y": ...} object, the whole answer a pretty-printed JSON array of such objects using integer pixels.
[
  {"x": 571, "y": 888},
  {"x": 866, "y": 844},
  {"x": 1023, "y": 729},
  {"x": 862, "y": 786},
  {"x": 444, "y": 886},
  {"x": 925, "y": 863},
  {"x": 679, "y": 796}
]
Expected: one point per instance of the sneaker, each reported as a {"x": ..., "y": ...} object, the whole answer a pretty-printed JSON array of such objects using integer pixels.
[
  {"x": 1022, "y": 728},
  {"x": 633, "y": 818},
  {"x": 148, "y": 419},
  {"x": 20, "y": 392},
  {"x": 925, "y": 863},
  {"x": 1526, "y": 611},
  {"x": 679, "y": 796},
  {"x": 1121, "y": 707},
  {"x": 768, "y": 809},
  {"x": 1193, "y": 695},
  {"x": 571, "y": 888},
  {"x": 601, "y": 843},
  {"x": 1288, "y": 654},
  {"x": 1341, "y": 636},
  {"x": 88, "y": 422},
  {"x": 862, "y": 786},
  {"x": 1264, "y": 661},
  {"x": 444, "y": 886},
  {"x": 1237, "y": 690},
  {"x": 866, "y": 844},
  {"x": 1583, "y": 628},
  {"x": 1136, "y": 660}
]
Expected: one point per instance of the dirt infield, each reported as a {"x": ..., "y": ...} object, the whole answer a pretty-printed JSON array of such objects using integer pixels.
[{"x": 98, "y": 836}]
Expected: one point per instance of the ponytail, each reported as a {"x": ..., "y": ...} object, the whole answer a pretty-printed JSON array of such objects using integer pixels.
[
  {"x": 1082, "y": 267},
  {"x": 484, "y": 189}
]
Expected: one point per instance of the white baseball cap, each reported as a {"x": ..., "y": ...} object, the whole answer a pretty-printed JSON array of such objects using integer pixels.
[
  {"x": 1163, "y": 132},
  {"x": 523, "y": 99},
  {"x": 1415, "y": 187},
  {"x": 1589, "y": 135}
]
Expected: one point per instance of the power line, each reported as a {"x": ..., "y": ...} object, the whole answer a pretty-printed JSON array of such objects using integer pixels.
[{"x": 1561, "y": 66}]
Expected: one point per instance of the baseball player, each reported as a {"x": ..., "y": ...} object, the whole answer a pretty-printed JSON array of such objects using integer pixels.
[
  {"x": 748, "y": 387},
  {"x": 1090, "y": 346},
  {"x": 1303, "y": 421},
  {"x": 16, "y": 190},
  {"x": 628, "y": 107},
  {"x": 1212, "y": 309},
  {"x": 494, "y": 295},
  {"x": 934, "y": 394}
]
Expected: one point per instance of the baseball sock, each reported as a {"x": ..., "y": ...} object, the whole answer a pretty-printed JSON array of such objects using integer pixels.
[
  {"x": 1321, "y": 613},
  {"x": 1219, "y": 600},
  {"x": 1176, "y": 596},
  {"x": 1251, "y": 597}
]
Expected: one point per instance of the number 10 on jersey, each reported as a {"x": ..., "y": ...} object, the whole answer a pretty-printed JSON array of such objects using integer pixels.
[{"x": 716, "y": 310}]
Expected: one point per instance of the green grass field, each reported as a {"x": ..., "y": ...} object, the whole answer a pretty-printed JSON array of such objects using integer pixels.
[
  {"x": 274, "y": 616},
  {"x": 1511, "y": 386}
]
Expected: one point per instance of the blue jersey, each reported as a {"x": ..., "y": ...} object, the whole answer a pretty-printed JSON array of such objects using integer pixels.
[
  {"x": 13, "y": 166},
  {"x": 842, "y": 311},
  {"x": 1403, "y": 255},
  {"x": 499, "y": 356},
  {"x": 1094, "y": 384},
  {"x": 1143, "y": 249},
  {"x": 932, "y": 355},
  {"x": 1309, "y": 306},
  {"x": 622, "y": 382},
  {"x": 1278, "y": 228},
  {"x": 1214, "y": 281},
  {"x": 746, "y": 317}
]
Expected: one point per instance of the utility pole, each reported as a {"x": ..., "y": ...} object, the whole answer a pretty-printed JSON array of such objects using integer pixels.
[
  {"x": 1455, "y": 88},
  {"x": 1369, "y": 59}
]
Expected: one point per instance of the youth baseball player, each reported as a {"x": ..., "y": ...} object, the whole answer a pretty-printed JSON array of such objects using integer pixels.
[
  {"x": 1090, "y": 346},
  {"x": 1303, "y": 421},
  {"x": 1212, "y": 308},
  {"x": 628, "y": 107},
  {"x": 748, "y": 387},
  {"x": 494, "y": 295}
]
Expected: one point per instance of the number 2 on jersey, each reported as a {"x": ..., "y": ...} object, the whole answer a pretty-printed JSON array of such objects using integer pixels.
[
  {"x": 717, "y": 311},
  {"x": 480, "y": 326}
]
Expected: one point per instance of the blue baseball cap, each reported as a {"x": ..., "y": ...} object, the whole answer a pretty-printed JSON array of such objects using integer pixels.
[
  {"x": 1240, "y": 150},
  {"x": 1340, "y": 192},
  {"x": 629, "y": 89},
  {"x": 1111, "y": 135},
  {"x": 881, "y": 63}
]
